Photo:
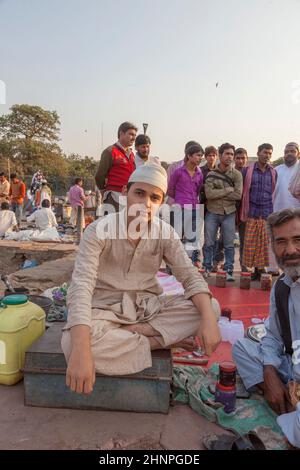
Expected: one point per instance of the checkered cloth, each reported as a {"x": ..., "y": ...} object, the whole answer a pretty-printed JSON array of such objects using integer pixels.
[{"x": 256, "y": 244}]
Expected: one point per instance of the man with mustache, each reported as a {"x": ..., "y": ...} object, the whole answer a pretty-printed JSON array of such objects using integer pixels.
[
  {"x": 116, "y": 314},
  {"x": 274, "y": 364},
  {"x": 257, "y": 204},
  {"x": 116, "y": 165},
  {"x": 223, "y": 187}
]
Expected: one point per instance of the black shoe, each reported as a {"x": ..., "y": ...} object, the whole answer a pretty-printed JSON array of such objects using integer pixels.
[{"x": 257, "y": 274}]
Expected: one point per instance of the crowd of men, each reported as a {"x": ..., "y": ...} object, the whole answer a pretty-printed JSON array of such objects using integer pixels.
[
  {"x": 215, "y": 186},
  {"x": 116, "y": 313},
  {"x": 238, "y": 197}
]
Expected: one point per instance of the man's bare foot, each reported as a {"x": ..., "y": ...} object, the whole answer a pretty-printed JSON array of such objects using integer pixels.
[{"x": 189, "y": 344}]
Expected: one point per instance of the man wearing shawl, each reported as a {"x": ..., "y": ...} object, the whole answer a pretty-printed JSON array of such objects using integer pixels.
[{"x": 257, "y": 205}]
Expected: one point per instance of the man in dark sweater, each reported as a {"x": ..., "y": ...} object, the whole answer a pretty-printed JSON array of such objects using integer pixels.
[
  {"x": 116, "y": 165},
  {"x": 211, "y": 156}
]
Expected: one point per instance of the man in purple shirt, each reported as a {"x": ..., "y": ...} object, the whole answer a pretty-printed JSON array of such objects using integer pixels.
[
  {"x": 76, "y": 200},
  {"x": 184, "y": 187},
  {"x": 178, "y": 164},
  {"x": 257, "y": 205}
]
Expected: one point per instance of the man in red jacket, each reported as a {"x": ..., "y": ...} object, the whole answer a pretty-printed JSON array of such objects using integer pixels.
[{"x": 116, "y": 165}]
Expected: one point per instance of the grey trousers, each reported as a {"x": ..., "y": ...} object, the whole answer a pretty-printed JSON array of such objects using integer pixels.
[{"x": 249, "y": 361}]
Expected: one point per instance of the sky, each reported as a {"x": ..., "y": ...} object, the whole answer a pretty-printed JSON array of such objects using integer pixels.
[{"x": 101, "y": 62}]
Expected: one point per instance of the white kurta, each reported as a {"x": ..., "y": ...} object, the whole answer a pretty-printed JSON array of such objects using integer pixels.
[
  {"x": 282, "y": 197},
  {"x": 7, "y": 221},
  {"x": 114, "y": 284},
  {"x": 44, "y": 218}
]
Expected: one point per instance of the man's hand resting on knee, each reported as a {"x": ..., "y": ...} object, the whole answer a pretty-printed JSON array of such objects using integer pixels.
[
  {"x": 275, "y": 392},
  {"x": 80, "y": 375},
  {"x": 208, "y": 331}
]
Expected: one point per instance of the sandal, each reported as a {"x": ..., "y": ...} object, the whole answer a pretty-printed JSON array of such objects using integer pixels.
[{"x": 248, "y": 441}]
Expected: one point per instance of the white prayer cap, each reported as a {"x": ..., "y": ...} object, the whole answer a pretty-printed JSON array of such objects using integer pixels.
[
  {"x": 292, "y": 144},
  {"x": 152, "y": 174}
]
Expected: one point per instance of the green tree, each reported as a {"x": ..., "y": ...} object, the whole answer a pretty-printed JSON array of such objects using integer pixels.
[
  {"x": 29, "y": 136},
  {"x": 30, "y": 123},
  {"x": 277, "y": 162},
  {"x": 83, "y": 167}
]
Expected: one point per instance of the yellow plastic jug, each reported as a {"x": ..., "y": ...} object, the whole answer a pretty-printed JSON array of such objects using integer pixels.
[{"x": 21, "y": 323}]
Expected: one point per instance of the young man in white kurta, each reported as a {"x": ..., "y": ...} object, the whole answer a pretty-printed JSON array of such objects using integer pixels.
[{"x": 115, "y": 299}]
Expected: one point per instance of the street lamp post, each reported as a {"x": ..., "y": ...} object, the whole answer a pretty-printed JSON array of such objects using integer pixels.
[{"x": 145, "y": 126}]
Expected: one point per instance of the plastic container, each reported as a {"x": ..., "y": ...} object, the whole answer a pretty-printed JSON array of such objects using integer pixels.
[
  {"x": 44, "y": 302},
  {"x": 245, "y": 281},
  {"x": 223, "y": 319},
  {"x": 226, "y": 396},
  {"x": 18, "y": 290},
  {"x": 266, "y": 281},
  {"x": 227, "y": 374},
  {"x": 221, "y": 279},
  {"x": 237, "y": 331},
  {"x": 225, "y": 330},
  {"x": 67, "y": 212},
  {"x": 21, "y": 323}
]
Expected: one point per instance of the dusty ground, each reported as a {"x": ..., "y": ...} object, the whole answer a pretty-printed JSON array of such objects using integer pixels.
[
  {"x": 13, "y": 254},
  {"x": 44, "y": 428},
  {"x": 41, "y": 428}
]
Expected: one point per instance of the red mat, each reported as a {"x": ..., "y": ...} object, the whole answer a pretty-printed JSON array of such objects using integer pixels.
[{"x": 245, "y": 304}]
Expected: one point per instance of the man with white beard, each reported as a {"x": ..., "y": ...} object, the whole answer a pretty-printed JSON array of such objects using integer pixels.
[{"x": 274, "y": 364}]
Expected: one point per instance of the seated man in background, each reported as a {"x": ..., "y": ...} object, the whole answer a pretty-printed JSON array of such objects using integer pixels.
[
  {"x": 43, "y": 218},
  {"x": 116, "y": 314},
  {"x": 274, "y": 364},
  {"x": 8, "y": 221}
]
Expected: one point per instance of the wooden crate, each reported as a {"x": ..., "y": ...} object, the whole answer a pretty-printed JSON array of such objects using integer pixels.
[{"x": 45, "y": 376}]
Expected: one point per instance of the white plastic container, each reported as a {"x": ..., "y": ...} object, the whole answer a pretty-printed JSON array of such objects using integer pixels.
[{"x": 236, "y": 331}]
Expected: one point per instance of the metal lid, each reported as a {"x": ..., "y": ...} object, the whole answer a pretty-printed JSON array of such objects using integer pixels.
[
  {"x": 227, "y": 366},
  {"x": 229, "y": 388},
  {"x": 15, "y": 299}
]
